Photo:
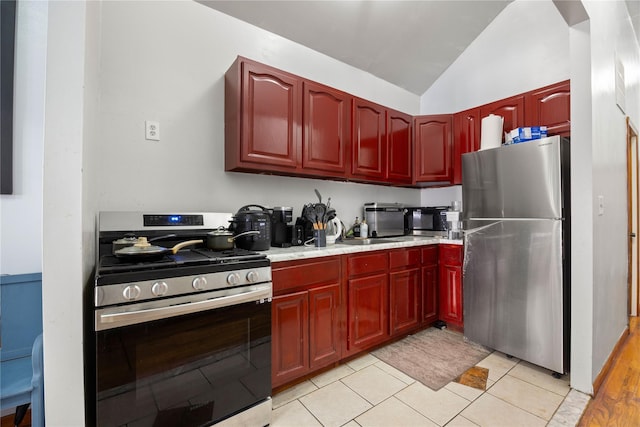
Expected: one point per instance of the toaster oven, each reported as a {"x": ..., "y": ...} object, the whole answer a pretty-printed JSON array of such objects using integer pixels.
[
  {"x": 426, "y": 221},
  {"x": 384, "y": 219}
]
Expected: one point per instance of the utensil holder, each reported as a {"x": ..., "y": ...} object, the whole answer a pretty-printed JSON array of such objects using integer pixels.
[{"x": 320, "y": 238}]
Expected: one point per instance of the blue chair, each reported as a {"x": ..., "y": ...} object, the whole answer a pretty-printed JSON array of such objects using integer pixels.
[{"x": 22, "y": 384}]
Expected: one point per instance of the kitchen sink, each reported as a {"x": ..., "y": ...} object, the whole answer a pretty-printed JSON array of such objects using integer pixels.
[{"x": 369, "y": 241}]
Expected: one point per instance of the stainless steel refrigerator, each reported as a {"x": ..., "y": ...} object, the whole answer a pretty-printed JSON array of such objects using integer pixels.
[{"x": 516, "y": 283}]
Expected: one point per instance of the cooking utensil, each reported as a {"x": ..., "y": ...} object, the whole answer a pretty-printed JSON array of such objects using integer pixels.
[
  {"x": 222, "y": 239},
  {"x": 145, "y": 250},
  {"x": 309, "y": 213},
  {"x": 132, "y": 239},
  {"x": 320, "y": 216},
  {"x": 318, "y": 194}
]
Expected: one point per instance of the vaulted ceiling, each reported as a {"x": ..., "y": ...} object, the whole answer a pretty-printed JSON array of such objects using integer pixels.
[{"x": 407, "y": 43}]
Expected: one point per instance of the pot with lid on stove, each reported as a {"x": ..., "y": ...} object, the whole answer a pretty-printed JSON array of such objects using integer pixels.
[{"x": 249, "y": 219}]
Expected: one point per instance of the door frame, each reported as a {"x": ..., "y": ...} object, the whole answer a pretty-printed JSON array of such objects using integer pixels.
[{"x": 633, "y": 212}]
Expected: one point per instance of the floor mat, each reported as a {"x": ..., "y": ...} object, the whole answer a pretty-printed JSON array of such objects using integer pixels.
[{"x": 434, "y": 357}]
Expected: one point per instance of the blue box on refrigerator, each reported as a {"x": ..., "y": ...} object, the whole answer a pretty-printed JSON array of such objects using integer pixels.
[{"x": 524, "y": 134}]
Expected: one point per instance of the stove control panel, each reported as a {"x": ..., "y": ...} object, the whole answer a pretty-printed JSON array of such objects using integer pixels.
[{"x": 122, "y": 293}]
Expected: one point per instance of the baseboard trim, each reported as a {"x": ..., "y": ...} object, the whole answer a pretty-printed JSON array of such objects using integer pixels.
[{"x": 597, "y": 383}]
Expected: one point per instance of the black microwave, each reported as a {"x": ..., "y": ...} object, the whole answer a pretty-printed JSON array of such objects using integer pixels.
[{"x": 427, "y": 221}]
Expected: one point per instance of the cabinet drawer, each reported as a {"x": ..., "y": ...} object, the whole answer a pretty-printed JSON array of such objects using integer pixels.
[
  {"x": 404, "y": 258},
  {"x": 450, "y": 254},
  {"x": 430, "y": 255},
  {"x": 303, "y": 274},
  {"x": 367, "y": 263}
]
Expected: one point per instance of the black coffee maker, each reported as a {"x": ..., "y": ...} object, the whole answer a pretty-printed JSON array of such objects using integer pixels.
[{"x": 281, "y": 229}]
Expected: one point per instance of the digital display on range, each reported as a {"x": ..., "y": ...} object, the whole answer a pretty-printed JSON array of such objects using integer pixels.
[{"x": 172, "y": 220}]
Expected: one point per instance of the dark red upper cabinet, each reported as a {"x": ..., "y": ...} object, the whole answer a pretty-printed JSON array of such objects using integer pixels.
[
  {"x": 262, "y": 118},
  {"x": 399, "y": 147},
  {"x": 433, "y": 148},
  {"x": 368, "y": 144},
  {"x": 511, "y": 109},
  {"x": 466, "y": 138},
  {"x": 326, "y": 130},
  {"x": 550, "y": 106}
]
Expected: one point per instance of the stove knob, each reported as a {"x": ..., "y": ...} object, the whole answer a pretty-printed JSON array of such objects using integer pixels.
[
  {"x": 159, "y": 289},
  {"x": 252, "y": 277},
  {"x": 199, "y": 283},
  {"x": 131, "y": 292},
  {"x": 233, "y": 279}
]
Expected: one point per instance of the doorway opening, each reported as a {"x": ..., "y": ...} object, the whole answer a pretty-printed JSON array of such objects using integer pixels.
[{"x": 633, "y": 208}]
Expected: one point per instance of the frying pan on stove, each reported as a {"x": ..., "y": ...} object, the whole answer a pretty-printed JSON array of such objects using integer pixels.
[{"x": 145, "y": 250}]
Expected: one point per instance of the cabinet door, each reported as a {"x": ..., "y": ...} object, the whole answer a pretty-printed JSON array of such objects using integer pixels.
[
  {"x": 429, "y": 285},
  {"x": 399, "y": 147},
  {"x": 262, "y": 118},
  {"x": 511, "y": 109},
  {"x": 368, "y": 144},
  {"x": 466, "y": 138},
  {"x": 367, "y": 313},
  {"x": 450, "y": 284},
  {"x": 404, "y": 287},
  {"x": 290, "y": 339},
  {"x": 429, "y": 294},
  {"x": 326, "y": 130},
  {"x": 450, "y": 306},
  {"x": 433, "y": 148},
  {"x": 550, "y": 106},
  {"x": 324, "y": 324}
]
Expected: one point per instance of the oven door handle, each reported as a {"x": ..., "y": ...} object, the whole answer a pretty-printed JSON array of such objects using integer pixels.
[{"x": 114, "y": 320}]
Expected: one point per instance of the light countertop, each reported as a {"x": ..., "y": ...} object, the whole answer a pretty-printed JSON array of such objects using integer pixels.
[{"x": 304, "y": 252}]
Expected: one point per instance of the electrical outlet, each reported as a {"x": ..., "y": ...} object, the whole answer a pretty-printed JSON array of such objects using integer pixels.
[
  {"x": 152, "y": 130},
  {"x": 600, "y": 205}
]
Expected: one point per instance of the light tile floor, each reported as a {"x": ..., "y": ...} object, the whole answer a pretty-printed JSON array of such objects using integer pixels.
[{"x": 367, "y": 392}]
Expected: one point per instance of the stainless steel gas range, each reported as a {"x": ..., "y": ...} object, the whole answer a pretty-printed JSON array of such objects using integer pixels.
[{"x": 178, "y": 339}]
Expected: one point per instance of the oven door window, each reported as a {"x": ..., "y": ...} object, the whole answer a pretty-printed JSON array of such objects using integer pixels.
[{"x": 184, "y": 371}]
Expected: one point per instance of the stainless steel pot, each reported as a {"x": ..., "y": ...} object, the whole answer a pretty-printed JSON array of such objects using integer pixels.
[{"x": 222, "y": 239}]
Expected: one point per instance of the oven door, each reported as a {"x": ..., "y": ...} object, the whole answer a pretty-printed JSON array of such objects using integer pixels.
[{"x": 190, "y": 369}]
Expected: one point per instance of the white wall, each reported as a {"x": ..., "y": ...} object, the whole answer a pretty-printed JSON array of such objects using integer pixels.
[
  {"x": 524, "y": 48},
  {"x": 21, "y": 212},
  {"x": 611, "y": 35},
  {"x": 65, "y": 254},
  {"x": 166, "y": 61},
  {"x": 582, "y": 205},
  {"x": 442, "y": 196}
]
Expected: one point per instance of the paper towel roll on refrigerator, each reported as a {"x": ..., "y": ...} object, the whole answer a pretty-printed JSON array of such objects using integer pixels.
[{"x": 491, "y": 132}]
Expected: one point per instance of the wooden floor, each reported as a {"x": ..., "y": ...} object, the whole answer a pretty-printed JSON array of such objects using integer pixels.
[
  {"x": 8, "y": 420},
  {"x": 617, "y": 403}
]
